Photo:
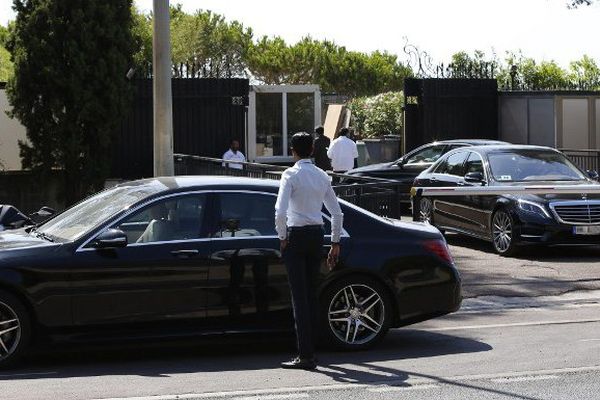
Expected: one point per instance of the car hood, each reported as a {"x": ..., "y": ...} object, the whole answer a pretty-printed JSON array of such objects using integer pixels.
[
  {"x": 371, "y": 168},
  {"x": 544, "y": 198},
  {"x": 19, "y": 238}
]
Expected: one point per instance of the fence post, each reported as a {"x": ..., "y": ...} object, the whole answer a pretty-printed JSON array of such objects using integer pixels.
[{"x": 416, "y": 202}]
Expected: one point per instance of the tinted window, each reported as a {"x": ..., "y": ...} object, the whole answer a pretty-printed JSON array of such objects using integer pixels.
[
  {"x": 452, "y": 165},
  {"x": 426, "y": 155},
  {"x": 474, "y": 163},
  {"x": 532, "y": 165},
  {"x": 175, "y": 218},
  {"x": 246, "y": 214}
]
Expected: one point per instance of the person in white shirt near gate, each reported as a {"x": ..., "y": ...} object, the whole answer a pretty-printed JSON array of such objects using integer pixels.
[
  {"x": 342, "y": 152},
  {"x": 234, "y": 156}
]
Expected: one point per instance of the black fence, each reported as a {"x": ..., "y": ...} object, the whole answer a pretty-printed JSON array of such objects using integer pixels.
[
  {"x": 584, "y": 159},
  {"x": 378, "y": 196},
  {"x": 207, "y": 114}
]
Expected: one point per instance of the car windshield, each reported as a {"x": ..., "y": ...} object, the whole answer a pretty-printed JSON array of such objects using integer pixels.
[
  {"x": 81, "y": 218},
  {"x": 532, "y": 165}
]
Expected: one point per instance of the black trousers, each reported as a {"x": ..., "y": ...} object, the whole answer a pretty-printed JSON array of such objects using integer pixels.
[{"x": 302, "y": 258}]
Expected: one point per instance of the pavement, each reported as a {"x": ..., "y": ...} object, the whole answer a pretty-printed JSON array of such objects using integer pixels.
[{"x": 529, "y": 328}]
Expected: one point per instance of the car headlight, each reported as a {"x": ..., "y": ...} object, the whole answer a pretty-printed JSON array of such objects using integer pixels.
[{"x": 533, "y": 207}]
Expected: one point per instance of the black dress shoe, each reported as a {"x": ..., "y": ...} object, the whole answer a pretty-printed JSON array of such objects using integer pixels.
[{"x": 300, "y": 363}]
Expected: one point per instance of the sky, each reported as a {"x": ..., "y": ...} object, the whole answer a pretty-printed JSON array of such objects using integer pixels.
[{"x": 542, "y": 29}]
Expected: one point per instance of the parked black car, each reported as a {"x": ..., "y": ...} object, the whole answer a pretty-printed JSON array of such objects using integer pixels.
[
  {"x": 406, "y": 168},
  {"x": 186, "y": 256},
  {"x": 509, "y": 221}
]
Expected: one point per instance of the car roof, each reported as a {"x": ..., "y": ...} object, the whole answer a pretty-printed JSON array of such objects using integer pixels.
[
  {"x": 477, "y": 142},
  {"x": 182, "y": 183},
  {"x": 508, "y": 147}
]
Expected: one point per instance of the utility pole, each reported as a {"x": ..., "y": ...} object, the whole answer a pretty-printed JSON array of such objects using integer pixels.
[{"x": 163, "y": 104}]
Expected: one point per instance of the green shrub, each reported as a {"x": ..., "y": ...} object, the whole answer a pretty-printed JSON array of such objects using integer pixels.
[{"x": 377, "y": 115}]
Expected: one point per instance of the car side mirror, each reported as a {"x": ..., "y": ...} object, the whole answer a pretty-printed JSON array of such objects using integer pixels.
[
  {"x": 111, "y": 239},
  {"x": 475, "y": 177},
  {"x": 593, "y": 174},
  {"x": 45, "y": 212}
]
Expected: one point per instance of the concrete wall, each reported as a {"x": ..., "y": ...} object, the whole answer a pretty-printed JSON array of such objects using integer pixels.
[
  {"x": 568, "y": 120},
  {"x": 11, "y": 131}
]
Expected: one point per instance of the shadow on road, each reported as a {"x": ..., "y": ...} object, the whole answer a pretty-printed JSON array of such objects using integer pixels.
[
  {"x": 574, "y": 254},
  {"x": 163, "y": 360}
]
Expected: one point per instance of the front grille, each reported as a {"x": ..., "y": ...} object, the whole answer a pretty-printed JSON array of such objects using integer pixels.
[{"x": 578, "y": 213}]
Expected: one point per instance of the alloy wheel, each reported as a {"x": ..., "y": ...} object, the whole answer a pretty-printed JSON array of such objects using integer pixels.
[
  {"x": 502, "y": 231},
  {"x": 10, "y": 331},
  {"x": 425, "y": 210},
  {"x": 356, "y": 314}
]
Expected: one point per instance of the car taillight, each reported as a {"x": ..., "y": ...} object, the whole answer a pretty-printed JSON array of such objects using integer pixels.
[{"x": 440, "y": 249}]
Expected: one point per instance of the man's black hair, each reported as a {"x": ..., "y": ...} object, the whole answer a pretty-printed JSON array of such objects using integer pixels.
[
  {"x": 233, "y": 140},
  {"x": 302, "y": 144},
  {"x": 343, "y": 132},
  {"x": 319, "y": 130}
]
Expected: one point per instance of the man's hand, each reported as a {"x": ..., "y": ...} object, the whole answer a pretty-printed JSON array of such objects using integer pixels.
[
  {"x": 333, "y": 256},
  {"x": 282, "y": 245}
]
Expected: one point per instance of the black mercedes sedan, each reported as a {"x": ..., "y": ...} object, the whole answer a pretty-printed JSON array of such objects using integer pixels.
[
  {"x": 509, "y": 221},
  {"x": 406, "y": 168},
  {"x": 190, "y": 256}
]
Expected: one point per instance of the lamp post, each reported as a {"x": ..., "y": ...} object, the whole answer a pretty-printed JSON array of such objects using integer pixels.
[{"x": 163, "y": 107}]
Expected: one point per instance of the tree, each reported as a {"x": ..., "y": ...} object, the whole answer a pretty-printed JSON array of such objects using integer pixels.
[
  {"x": 69, "y": 89},
  {"x": 6, "y": 66}
]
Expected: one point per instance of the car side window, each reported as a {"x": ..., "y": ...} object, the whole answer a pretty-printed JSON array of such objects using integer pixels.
[
  {"x": 474, "y": 163},
  {"x": 455, "y": 163},
  {"x": 175, "y": 218},
  {"x": 245, "y": 214},
  {"x": 426, "y": 155}
]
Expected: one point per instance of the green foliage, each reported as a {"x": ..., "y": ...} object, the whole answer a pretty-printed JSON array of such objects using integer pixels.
[
  {"x": 378, "y": 115},
  {"x": 69, "y": 88},
  {"x": 6, "y": 65},
  {"x": 335, "y": 69}
]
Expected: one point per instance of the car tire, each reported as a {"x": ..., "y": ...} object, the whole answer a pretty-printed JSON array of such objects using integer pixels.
[
  {"x": 502, "y": 230},
  {"x": 15, "y": 329},
  {"x": 360, "y": 324}
]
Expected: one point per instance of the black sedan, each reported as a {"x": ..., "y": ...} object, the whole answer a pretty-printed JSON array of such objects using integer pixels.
[
  {"x": 406, "y": 168},
  {"x": 189, "y": 256},
  {"x": 509, "y": 221}
]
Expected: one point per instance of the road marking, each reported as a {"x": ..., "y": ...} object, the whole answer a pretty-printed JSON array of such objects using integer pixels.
[
  {"x": 385, "y": 389},
  {"x": 274, "y": 397},
  {"x": 28, "y": 374},
  {"x": 512, "y": 324},
  {"x": 589, "y": 340},
  {"x": 525, "y": 378},
  {"x": 418, "y": 382}
]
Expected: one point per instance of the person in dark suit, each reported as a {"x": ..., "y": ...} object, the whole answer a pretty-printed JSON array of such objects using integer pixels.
[{"x": 321, "y": 144}]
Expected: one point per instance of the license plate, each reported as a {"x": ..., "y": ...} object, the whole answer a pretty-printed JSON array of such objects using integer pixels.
[{"x": 586, "y": 230}]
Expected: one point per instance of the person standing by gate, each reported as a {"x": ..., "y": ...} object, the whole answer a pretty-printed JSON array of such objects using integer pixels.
[
  {"x": 342, "y": 152},
  {"x": 234, "y": 156},
  {"x": 320, "y": 149},
  {"x": 303, "y": 190}
]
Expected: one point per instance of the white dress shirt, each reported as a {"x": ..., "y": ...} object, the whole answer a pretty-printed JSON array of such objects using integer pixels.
[
  {"x": 235, "y": 158},
  {"x": 342, "y": 153},
  {"x": 303, "y": 190}
]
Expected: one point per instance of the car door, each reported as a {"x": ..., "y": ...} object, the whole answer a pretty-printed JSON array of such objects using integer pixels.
[
  {"x": 161, "y": 273},
  {"x": 247, "y": 280},
  {"x": 475, "y": 211},
  {"x": 449, "y": 173}
]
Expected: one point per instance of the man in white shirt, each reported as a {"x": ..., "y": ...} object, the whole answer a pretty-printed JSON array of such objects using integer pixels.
[
  {"x": 303, "y": 190},
  {"x": 342, "y": 152},
  {"x": 234, "y": 156}
]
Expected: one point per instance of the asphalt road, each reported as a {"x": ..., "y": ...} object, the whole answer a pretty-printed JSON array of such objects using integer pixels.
[{"x": 495, "y": 348}]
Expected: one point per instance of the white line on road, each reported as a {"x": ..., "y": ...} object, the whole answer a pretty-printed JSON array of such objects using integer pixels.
[
  {"x": 525, "y": 378},
  {"x": 385, "y": 389},
  {"x": 275, "y": 397},
  {"x": 590, "y": 340},
  {"x": 558, "y": 322}
]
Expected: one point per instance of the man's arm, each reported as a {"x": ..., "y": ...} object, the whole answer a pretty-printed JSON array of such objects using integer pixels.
[
  {"x": 354, "y": 150},
  {"x": 331, "y": 150},
  {"x": 282, "y": 205},
  {"x": 337, "y": 217}
]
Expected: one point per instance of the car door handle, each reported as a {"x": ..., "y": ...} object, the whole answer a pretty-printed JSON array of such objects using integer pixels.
[
  {"x": 461, "y": 184},
  {"x": 433, "y": 179},
  {"x": 185, "y": 253}
]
